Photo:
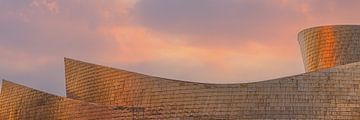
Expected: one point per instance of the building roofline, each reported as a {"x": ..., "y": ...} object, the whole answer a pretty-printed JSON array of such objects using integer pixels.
[
  {"x": 327, "y": 25},
  {"x": 177, "y": 80}
]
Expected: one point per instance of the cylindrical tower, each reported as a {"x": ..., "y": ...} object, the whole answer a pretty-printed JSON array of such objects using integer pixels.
[{"x": 328, "y": 46}]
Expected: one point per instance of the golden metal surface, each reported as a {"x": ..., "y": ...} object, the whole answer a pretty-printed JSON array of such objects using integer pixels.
[
  {"x": 328, "y": 46},
  {"x": 18, "y": 102},
  {"x": 327, "y": 94}
]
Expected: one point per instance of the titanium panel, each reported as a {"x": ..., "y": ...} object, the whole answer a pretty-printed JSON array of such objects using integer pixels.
[
  {"x": 18, "y": 102},
  {"x": 327, "y": 94},
  {"x": 328, "y": 46}
]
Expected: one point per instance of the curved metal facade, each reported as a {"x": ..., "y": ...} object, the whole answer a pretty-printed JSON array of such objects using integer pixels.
[
  {"x": 18, "y": 102},
  {"x": 328, "y": 46},
  {"x": 328, "y": 94}
]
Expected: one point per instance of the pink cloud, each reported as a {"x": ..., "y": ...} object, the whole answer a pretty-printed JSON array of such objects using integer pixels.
[
  {"x": 209, "y": 41},
  {"x": 50, "y": 5}
]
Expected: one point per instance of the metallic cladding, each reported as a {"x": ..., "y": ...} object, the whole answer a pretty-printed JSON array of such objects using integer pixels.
[
  {"x": 18, "y": 102},
  {"x": 327, "y": 94},
  {"x": 328, "y": 46}
]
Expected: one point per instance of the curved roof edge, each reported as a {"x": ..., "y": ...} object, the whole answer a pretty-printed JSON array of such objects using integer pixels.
[
  {"x": 10, "y": 84},
  {"x": 322, "y": 26},
  {"x": 176, "y": 80}
]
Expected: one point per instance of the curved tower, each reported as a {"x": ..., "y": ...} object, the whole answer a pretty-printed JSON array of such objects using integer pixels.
[{"x": 328, "y": 46}]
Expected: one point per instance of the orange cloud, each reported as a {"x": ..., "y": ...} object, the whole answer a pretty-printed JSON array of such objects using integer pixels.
[
  {"x": 209, "y": 41},
  {"x": 136, "y": 45}
]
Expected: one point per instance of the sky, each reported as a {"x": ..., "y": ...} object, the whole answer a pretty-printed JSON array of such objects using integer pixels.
[{"x": 211, "y": 41}]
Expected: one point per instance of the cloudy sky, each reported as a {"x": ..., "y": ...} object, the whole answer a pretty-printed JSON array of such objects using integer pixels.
[{"x": 216, "y": 41}]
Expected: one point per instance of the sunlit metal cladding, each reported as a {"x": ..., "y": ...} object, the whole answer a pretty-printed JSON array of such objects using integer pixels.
[{"x": 328, "y": 46}]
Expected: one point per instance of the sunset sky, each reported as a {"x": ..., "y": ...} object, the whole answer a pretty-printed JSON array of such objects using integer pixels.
[{"x": 215, "y": 41}]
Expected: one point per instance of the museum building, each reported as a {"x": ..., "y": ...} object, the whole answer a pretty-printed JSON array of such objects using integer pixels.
[{"x": 329, "y": 89}]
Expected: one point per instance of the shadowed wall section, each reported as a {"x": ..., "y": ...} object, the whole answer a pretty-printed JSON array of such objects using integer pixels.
[
  {"x": 328, "y": 46},
  {"x": 327, "y": 94}
]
